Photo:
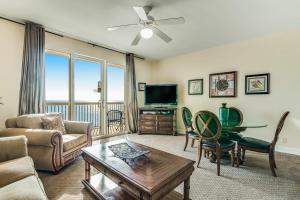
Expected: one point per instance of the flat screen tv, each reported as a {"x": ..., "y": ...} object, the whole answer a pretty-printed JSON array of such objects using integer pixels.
[{"x": 161, "y": 94}]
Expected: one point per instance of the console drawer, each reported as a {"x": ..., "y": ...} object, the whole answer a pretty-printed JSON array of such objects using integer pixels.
[
  {"x": 165, "y": 123},
  {"x": 147, "y": 129},
  {"x": 165, "y": 118},
  {"x": 148, "y": 123},
  {"x": 148, "y": 117}
]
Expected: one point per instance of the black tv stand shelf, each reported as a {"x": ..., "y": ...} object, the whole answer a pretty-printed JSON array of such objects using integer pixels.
[{"x": 157, "y": 120}]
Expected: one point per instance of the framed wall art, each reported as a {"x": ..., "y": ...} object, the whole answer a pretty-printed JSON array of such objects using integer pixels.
[
  {"x": 223, "y": 84},
  {"x": 195, "y": 87},
  {"x": 257, "y": 84},
  {"x": 141, "y": 86}
]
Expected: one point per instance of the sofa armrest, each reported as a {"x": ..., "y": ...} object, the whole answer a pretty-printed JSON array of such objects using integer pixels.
[
  {"x": 75, "y": 127},
  {"x": 37, "y": 137},
  {"x": 12, "y": 148}
]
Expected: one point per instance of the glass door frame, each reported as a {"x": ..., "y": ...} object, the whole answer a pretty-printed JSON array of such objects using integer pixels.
[
  {"x": 102, "y": 101},
  {"x": 111, "y": 64}
]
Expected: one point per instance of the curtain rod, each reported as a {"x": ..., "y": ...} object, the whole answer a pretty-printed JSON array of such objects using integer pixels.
[{"x": 90, "y": 43}]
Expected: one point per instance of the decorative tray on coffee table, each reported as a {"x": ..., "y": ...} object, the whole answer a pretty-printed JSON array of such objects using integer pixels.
[{"x": 126, "y": 152}]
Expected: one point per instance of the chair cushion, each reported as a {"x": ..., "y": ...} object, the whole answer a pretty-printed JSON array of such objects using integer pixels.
[
  {"x": 254, "y": 143},
  {"x": 14, "y": 170},
  {"x": 71, "y": 141},
  {"x": 223, "y": 143},
  {"x": 193, "y": 134},
  {"x": 235, "y": 136},
  {"x": 29, "y": 188}
]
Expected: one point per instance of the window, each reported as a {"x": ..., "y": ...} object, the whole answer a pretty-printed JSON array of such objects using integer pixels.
[
  {"x": 57, "y": 78},
  {"x": 87, "y": 76},
  {"x": 115, "y": 84}
]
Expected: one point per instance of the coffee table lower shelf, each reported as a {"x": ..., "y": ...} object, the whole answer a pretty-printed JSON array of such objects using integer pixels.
[{"x": 105, "y": 189}]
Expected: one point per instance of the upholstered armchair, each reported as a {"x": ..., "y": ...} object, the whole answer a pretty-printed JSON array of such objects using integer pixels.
[{"x": 50, "y": 149}]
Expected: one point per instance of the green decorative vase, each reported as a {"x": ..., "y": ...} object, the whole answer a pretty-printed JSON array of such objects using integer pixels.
[{"x": 223, "y": 114}]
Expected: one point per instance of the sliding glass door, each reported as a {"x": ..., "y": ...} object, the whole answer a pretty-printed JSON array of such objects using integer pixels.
[
  {"x": 87, "y": 92},
  {"x": 86, "y": 89},
  {"x": 115, "y": 99}
]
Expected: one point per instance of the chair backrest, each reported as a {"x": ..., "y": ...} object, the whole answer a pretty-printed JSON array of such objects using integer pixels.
[
  {"x": 114, "y": 116},
  {"x": 235, "y": 116},
  {"x": 208, "y": 125},
  {"x": 279, "y": 128},
  {"x": 187, "y": 118}
]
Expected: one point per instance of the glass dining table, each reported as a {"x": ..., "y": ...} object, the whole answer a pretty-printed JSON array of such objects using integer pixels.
[{"x": 235, "y": 129}]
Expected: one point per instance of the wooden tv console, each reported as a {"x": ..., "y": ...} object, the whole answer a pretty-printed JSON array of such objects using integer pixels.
[{"x": 157, "y": 120}]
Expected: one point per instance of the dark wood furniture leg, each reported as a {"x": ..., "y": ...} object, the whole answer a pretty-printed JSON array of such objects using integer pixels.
[
  {"x": 243, "y": 155},
  {"x": 186, "y": 141},
  {"x": 272, "y": 163},
  {"x": 186, "y": 195},
  {"x": 218, "y": 154},
  {"x": 233, "y": 157},
  {"x": 238, "y": 156},
  {"x": 193, "y": 141},
  {"x": 199, "y": 152},
  {"x": 87, "y": 171}
]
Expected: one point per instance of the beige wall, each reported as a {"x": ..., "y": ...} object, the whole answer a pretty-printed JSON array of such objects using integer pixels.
[
  {"x": 11, "y": 51},
  {"x": 278, "y": 54}
]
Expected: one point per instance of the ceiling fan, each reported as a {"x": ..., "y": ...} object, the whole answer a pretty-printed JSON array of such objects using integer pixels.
[{"x": 149, "y": 25}]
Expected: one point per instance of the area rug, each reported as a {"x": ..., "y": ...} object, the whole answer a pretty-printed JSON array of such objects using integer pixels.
[{"x": 252, "y": 181}]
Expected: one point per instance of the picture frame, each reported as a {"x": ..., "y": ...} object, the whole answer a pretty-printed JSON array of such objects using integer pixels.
[
  {"x": 257, "y": 84},
  {"x": 195, "y": 87},
  {"x": 141, "y": 86},
  {"x": 223, "y": 84}
]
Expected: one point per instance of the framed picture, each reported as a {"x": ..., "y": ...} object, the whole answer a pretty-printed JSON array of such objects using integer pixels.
[
  {"x": 141, "y": 86},
  {"x": 195, "y": 87},
  {"x": 223, "y": 84},
  {"x": 257, "y": 84}
]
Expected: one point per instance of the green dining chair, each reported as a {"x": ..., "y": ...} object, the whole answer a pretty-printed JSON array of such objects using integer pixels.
[
  {"x": 188, "y": 123},
  {"x": 209, "y": 128},
  {"x": 261, "y": 146},
  {"x": 235, "y": 118}
]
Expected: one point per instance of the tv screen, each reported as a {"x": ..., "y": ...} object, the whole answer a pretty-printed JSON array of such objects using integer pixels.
[{"x": 161, "y": 94}]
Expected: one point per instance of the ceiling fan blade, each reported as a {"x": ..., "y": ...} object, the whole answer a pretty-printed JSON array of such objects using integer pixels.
[
  {"x": 140, "y": 11},
  {"x": 136, "y": 40},
  {"x": 113, "y": 28},
  {"x": 161, "y": 34},
  {"x": 170, "y": 21}
]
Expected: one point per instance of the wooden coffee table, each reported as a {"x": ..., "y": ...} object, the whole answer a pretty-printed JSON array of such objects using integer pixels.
[{"x": 144, "y": 179}]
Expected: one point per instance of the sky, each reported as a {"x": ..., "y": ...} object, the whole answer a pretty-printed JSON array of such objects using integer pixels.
[{"x": 86, "y": 77}]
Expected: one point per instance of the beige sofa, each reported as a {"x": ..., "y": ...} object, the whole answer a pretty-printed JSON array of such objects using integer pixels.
[
  {"x": 50, "y": 149},
  {"x": 19, "y": 179}
]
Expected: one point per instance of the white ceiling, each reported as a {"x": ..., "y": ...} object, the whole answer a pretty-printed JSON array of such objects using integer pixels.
[{"x": 209, "y": 23}]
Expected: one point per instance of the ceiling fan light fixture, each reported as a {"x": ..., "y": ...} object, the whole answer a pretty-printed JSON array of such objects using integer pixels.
[{"x": 146, "y": 33}]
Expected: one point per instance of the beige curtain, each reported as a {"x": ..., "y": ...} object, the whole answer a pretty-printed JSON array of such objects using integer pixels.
[
  {"x": 32, "y": 87},
  {"x": 131, "y": 104}
]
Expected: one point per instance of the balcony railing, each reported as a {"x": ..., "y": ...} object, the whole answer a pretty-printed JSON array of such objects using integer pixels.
[{"x": 91, "y": 112}]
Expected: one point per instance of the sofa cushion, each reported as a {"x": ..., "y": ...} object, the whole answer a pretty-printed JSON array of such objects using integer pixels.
[
  {"x": 32, "y": 121},
  {"x": 71, "y": 141},
  {"x": 54, "y": 123},
  {"x": 14, "y": 170},
  {"x": 29, "y": 188}
]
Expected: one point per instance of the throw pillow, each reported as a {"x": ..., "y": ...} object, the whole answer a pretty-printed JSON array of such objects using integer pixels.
[{"x": 54, "y": 123}]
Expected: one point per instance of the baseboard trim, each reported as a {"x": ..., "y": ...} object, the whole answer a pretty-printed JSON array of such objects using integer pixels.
[{"x": 288, "y": 150}]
